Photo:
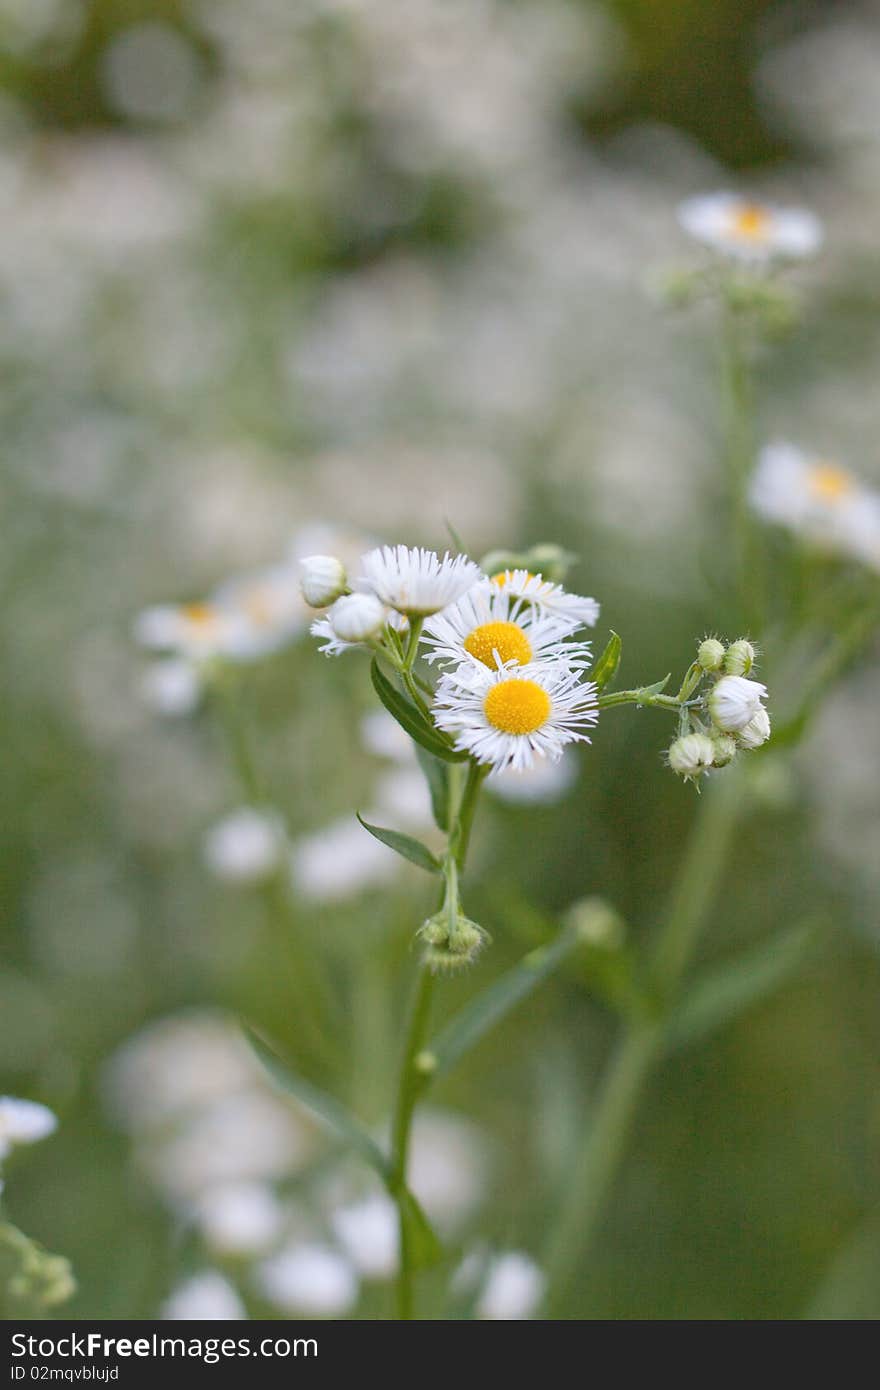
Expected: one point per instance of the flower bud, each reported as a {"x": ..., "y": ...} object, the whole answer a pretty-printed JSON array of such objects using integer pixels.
[
  {"x": 451, "y": 946},
  {"x": 710, "y": 654},
  {"x": 733, "y": 701},
  {"x": 725, "y": 746},
  {"x": 756, "y": 732},
  {"x": 357, "y": 617},
  {"x": 691, "y": 755},
  {"x": 323, "y": 580},
  {"x": 739, "y": 658}
]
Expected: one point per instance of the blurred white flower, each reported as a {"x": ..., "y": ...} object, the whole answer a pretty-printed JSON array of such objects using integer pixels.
[
  {"x": 542, "y": 784},
  {"x": 199, "y": 631},
  {"x": 310, "y": 1280},
  {"x": 402, "y": 795},
  {"x": 514, "y": 1287},
  {"x": 367, "y": 1230},
  {"x": 268, "y": 608},
  {"x": 239, "y": 1218},
  {"x": 819, "y": 500},
  {"x": 340, "y": 861},
  {"x": 151, "y": 72},
  {"x": 23, "y": 1122},
  {"x": 171, "y": 686},
  {"x": 449, "y": 1167},
  {"x": 245, "y": 847},
  {"x": 382, "y": 736},
  {"x": 204, "y": 1297},
  {"x": 750, "y": 231}
]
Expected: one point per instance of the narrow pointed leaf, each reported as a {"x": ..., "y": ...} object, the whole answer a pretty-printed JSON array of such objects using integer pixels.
[
  {"x": 438, "y": 784},
  {"x": 326, "y": 1108},
  {"x": 405, "y": 845},
  {"x": 605, "y": 669},
  {"x": 657, "y": 688},
  {"x": 489, "y": 1007},
  {"x": 721, "y": 995},
  {"x": 411, "y": 719}
]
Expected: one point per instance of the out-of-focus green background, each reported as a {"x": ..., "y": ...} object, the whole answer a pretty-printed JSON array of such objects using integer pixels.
[{"x": 383, "y": 265}]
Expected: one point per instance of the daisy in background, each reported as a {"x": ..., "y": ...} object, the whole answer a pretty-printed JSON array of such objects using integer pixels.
[
  {"x": 542, "y": 784},
  {"x": 512, "y": 716},
  {"x": 199, "y": 632},
  {"x": 750, "y": 231},
  {"x": 269, "y": 609},
  {"x": 818, "y": 499},
  {"x": 534, "y": 588},
  {"x": 493, "y": 626}
]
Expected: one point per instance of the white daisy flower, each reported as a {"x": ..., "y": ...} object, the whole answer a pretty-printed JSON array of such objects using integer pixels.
[
  {"x": 269, "y": 609},
  {"x": 415, "y": 581},
  {"x": 734, "y": 701},
  {"x": 310, "y": 1280},
  {"x": 514, "y": 1288},
  {"x": 200, "y": 631},
  {"x": 818, "y": 499},
  {"x": 542, "y": 784},
  {"x": 244, "y": 847},
  {"x": 490, "y": 625},
  {"x": 171, "y": 686},
  {"x": 751, "y": 231},
  {"x": 533, "y": 588},
  {"x": 514, "y": 715},
  {"x": 204, "y": 1297}
]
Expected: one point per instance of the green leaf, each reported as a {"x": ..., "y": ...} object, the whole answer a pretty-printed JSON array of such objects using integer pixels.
[
  {"x": 454, "y": 536},
  {"x": 438, "y": 784},
  {"x": 605, "y": 669},
  {"x": 405, "y": 845},
  {"x": 656, "y": 689},
  {"x": 723, "y": 994},
  {"x": 326, "y": 1108},
  {"x": 850, "y": 1289},
  {"x": 489, "y": 1007},
  {"x": 411, "y": 719},
  {"x": 421, "y": 1239}
]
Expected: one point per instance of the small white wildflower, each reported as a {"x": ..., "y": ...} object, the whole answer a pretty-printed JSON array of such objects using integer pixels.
[
  {"x": 514, "y": 715},
  {"x": 756, "y": 732},
  {"x": 310, "y": 1280},
  {"x": 533, "y": 588},
  {"x": 201, "y": 631},
  {"x": 491, "y": 625},
  {"x": 819, "y": 500},
  {"x": 205, "y": 1297},
  {"x": 750, "y": 231},
  {"x": 514, "y": 1288},
  {"x": 240, "y": 1218},
  {"x": 733, "y": 701},
  {"x": 357, "y": 617},
  {"x": 449, "y": 1167},
  {"x": 691, "y": 755},
  {"x": 244, "y": 847},
  {"x": 368, "y": 1233},
  {"x": 23, "y": 1122},
  {"x": 415, "y": 581},
  {"x": 171, "y": 686},
  {"x": 266, "y": 611},
  {"x": 323, "y": 580},
  {"x": 341, "y": 861}
]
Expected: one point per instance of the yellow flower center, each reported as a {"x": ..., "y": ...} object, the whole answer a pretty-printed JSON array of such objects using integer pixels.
[
  {"x": 517, "y": 707},
  {"x": 829, "y": 483},
  {"x": 504, "y": 577},
  {"x": 751, "y": 221},
  {"x": 508, "y": 640},
  {"x": 199, "y": 614}
]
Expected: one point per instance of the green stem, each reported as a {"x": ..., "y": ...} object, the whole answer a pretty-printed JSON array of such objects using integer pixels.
[
  {"x": 739, "y": 431},
  {"x": 642, "y": 697},
  {"x": 610, "y": 1121},
  {"x": 407, "y": 1097}
]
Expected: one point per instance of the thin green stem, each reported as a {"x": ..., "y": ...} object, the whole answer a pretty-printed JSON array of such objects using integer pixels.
[
  {"x": 739, "y": 444},
  {"x": 407, "y": 1098},
  {"x": 641, "y": 696},
  {"x": 610, "y": 1120}
]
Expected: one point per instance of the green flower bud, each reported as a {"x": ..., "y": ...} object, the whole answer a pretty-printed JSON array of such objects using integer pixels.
[
  {"x": 451, "y": 946},
  {"x": 550, "y": 561},
  {"x": 739, "y": 658},
  {"x": 726, "y": 749},
  {"x": 710, "y": 654}
]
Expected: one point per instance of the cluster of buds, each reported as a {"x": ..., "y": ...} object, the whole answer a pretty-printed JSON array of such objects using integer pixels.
[
  {"x": 451, "y": 943},
  {"x": 722, "y": 710}
]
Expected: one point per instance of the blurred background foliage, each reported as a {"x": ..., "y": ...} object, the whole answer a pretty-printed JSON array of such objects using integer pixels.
[{"x": 384, "y": 265}]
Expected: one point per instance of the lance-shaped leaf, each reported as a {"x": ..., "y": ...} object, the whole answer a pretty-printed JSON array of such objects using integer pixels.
[
  {"x": 405, "y": 845},
  {"x": 411, "y": 719},
  {"x": 489, "y": 1007},
  {"x": 332, "y": 1114},
  {"x": 656, "y": 689},
  {"x": 438, "y": 784},
  {"x": 722, "y": 994},
  {"x": 605, "y": 669}
]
